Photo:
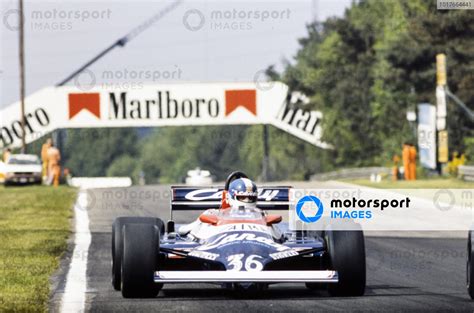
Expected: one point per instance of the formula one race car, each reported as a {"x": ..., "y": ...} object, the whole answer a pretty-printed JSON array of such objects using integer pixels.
[{"x": 239, "y": 248}]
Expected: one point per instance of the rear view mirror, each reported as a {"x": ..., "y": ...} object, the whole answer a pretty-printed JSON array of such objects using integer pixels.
[
  {"x": 273, "y": 219},
  {"x": 209, "y": 219}
]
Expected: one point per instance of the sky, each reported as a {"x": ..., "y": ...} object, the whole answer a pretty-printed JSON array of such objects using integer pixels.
[{"x": 198, "y": 41}]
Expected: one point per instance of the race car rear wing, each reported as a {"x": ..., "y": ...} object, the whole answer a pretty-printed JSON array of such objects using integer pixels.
[{"x": 198, "y": 198}]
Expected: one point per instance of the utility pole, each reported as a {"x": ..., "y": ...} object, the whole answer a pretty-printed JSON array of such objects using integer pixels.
[
  {"x": 22, "y": 75},
  {"x": 442, "y": 94},
  {"x": 441, "y": 112}
]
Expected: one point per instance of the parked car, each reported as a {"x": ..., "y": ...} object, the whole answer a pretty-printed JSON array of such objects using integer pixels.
[
  {"x": 198, "y": 177},
  {"x": 22, "y": 169},
  {"x": 2, "y": 172}
]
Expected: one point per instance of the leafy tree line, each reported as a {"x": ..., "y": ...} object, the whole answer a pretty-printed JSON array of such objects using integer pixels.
[
  {"x": 363, "y": 71},
  {"x": 168, "y": 153}
]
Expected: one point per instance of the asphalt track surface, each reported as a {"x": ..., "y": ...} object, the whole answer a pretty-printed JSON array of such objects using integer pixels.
[{"x": 403, "y": 274}]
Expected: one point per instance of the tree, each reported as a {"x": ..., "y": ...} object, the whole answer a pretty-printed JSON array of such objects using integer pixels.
[
  {"x": 124, "y": 166},
  {"x": 170, "y": 152},
  {"x": 89, "y": 152}
]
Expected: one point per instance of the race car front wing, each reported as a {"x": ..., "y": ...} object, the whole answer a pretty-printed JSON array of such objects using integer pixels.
[{"x": 247, "y": 277}]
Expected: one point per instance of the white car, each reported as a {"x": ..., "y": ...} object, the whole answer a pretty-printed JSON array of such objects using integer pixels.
[
  {"x": 23, "y": 169},
  {"x": 2, "y": 172},
  {"x": 198, "y": 177}
]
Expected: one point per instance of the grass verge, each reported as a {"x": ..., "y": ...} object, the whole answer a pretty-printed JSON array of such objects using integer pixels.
[
  {"x": 435, "y": 183},
  {"x": 34, "y": 227}
]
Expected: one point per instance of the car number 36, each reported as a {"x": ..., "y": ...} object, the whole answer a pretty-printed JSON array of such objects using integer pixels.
[{"x": 251, "y": 263}]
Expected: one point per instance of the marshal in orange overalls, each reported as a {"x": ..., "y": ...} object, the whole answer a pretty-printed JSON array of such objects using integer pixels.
[
  {"x": 54, "y": 169},
  {"x": 412, "y": 162},
  {"x": 44, "y": 156},
  {"x": 406, "y": 161}
]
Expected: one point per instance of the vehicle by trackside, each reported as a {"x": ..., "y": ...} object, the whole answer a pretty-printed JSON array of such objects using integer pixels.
[
  {"x": 198, "y": 177},
  {"x": 2, "y": 172},
  {"x": 22, "y": 169},
  {"x": 243, "y": 248}
]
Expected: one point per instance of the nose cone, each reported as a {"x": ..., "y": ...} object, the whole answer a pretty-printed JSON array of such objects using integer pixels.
[{"x": 244, "y": 251}]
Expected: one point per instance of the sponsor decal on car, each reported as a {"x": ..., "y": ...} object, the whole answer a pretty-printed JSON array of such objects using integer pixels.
[
  {"x": 244, "y": 227},
  {"x": 204, "y": 255},
  {"x": 242, "y": 238},
  {"x": 283, "y": 254},
  {"x": 216, "y": 194}
]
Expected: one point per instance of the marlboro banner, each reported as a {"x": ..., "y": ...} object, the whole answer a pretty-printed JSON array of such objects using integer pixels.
[{"x": 159, "y": 105}]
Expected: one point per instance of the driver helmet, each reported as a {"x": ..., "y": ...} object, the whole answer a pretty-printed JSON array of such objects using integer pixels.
[{"x": 242, "y": 193}]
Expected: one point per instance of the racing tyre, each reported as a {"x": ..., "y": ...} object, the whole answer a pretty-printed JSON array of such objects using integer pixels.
[
  {"x": 140, "y": 254},
  {"x": 469, "y": 265},
  {"x": 346, "y": 251},
  {"x": 117, "y": 242}
]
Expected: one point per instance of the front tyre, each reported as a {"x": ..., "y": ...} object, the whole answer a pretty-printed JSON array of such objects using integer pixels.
[
  {"x": 140, "y": 255},
  {"x": 347, "y": 256},
  {"x": 117, "y": 242}
]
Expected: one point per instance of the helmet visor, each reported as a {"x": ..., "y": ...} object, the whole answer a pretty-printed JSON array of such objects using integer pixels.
[{"x": 246, "y": 199}]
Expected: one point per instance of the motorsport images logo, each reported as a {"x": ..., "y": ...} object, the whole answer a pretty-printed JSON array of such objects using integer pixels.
[
  {"x": 310, "y": 208},
  {"x": 304, "y": 202}
]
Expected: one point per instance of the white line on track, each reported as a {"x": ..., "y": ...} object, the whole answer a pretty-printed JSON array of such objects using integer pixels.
[{"x": 74, "y": 296}]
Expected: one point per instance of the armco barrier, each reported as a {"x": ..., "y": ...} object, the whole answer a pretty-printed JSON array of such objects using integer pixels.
[
  {"x": 101, "y": 182},
  {"x": 466, "y": 172},
  {"x": 362, "y": 172}
]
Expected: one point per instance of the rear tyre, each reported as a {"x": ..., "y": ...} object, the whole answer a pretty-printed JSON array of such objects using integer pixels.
[
  {"x": 469, "y": 265},
  {"x": 346, "y": 251},
  {"x": 117, "y": 242},
  {"x": 140, "y": 254}
]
